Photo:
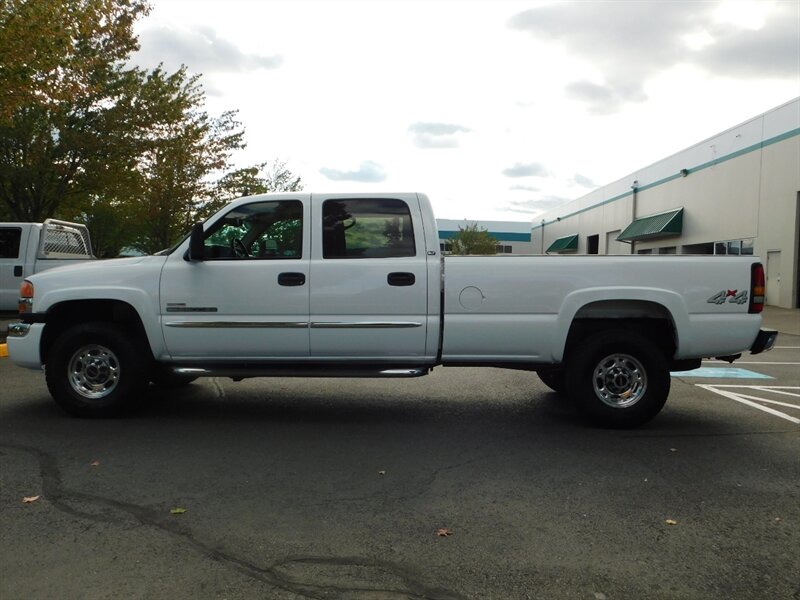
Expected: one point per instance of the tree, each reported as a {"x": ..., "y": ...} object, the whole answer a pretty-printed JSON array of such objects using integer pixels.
[
  {"x": 55, "y": 51},
  {"x": 83, "y": 136},
  {"x": 258, "y": 179},
  {"x": 179, "y": 150},
  {"x": 471, "y": 240},
  {"x": 63, "y": 129}
]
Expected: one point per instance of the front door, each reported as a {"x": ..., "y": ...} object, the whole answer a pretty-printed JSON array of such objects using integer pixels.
[
  {"x": 369, "y": 280},
  {"x": 248, "y": 298}
]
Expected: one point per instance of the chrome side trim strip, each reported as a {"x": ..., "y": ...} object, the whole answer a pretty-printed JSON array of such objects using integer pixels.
[
  {"x": 237, "y": 324},
  {"x": 365, "y": 325},
  {"x": 292, "y": 325}
]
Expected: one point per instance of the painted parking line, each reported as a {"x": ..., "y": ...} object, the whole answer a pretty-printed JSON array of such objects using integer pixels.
[
  {"x": 731, "y": 392},
  {"x": 753, "y": 362},
  {"x": 721, "y": 373}
]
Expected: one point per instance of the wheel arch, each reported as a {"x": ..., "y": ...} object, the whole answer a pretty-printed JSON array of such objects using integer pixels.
[
  {"x": 64, "y": 315},
  {"x": 648, "y": 318}
]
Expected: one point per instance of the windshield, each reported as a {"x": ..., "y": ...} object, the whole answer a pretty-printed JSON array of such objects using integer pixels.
[{"x": 171, "y": 249}]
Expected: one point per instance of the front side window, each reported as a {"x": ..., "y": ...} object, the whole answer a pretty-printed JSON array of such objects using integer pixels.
[
  {"x": 366, "y": 228},
  {"x": 261, "y": 230},
  {"x": 9, "y": 242}
]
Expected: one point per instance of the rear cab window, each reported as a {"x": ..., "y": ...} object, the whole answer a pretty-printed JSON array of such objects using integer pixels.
[{"x": 367, "y": 228}]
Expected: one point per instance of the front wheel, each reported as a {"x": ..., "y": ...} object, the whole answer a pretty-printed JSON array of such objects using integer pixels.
[
  {"x": 618, "y": 379},
  {"x": 95, "y": 370},
  {"x": 554, "y": 379}
]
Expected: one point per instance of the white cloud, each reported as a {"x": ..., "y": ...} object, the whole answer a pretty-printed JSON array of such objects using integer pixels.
[
  {"x": 632, "y": 42},
  {"x": 367, "y": 172},
  {"x": 444, "y": 96},
  {"x": 436, "y": 135},
  {"x": 533, "y": 169},
  {"x": 200, "y": 49}
]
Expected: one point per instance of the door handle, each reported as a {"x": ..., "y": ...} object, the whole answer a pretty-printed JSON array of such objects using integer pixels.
[
  {"x": 400, "y": 279},
  {"x": 291, "y": 279}
]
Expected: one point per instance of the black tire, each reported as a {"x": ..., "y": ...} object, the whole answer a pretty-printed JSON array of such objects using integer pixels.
[
  {"x": 96, "y": 370},
  {"x": 618, "y": 379},
  {"x": 554, "y": 379}
]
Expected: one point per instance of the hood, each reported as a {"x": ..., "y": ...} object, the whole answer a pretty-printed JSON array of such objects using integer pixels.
[{"x": 112, "y": 266}]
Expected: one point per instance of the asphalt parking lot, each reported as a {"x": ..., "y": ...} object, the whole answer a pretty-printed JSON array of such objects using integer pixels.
[{"x": 340, "y": 489}]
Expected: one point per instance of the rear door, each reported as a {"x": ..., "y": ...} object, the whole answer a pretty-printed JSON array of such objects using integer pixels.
[{"x": 369, "y": 289}]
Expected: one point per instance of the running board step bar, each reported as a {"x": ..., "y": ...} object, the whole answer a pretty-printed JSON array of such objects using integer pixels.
[{"x": 244, "y": 372}]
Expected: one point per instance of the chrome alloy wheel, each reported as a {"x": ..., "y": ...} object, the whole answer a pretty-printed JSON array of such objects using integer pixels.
[
  {"x": 619, "y": 380},
  {"x": 93, "y": 372}
]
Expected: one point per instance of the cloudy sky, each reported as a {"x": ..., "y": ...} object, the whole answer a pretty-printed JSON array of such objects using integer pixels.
[{"x": 497, "y": 110}]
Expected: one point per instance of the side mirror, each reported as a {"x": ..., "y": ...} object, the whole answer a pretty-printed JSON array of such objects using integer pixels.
[{"x": 197, "y": 243}]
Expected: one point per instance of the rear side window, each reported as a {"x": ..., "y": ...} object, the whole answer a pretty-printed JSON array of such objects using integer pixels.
[
  {"x": 9, "y": 242},
  {"x": 364, "y": 228}
]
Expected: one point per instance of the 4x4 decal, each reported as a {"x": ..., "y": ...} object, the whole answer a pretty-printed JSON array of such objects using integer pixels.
[{"x": 732, "y": 296}]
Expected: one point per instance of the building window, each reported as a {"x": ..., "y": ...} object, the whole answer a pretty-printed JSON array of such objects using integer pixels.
[
  {"x": 734, "y": 247},
  {"x": 667, "y": 250},
  {"x": 707, "y": 248},
  {"x": 501, "y": 249},
  {"x": 446, "y": 247}
]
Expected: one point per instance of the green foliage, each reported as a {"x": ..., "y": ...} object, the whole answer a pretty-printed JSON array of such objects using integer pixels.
[
  {"x": 64, "y": 122},
  {"x": 83, "y": 136},
  {"x": 179, "y": 148},
  {"x": 262, "y": 178},
  {"x": 471, "y": 240},
  {"x": 55, "y": 51}
]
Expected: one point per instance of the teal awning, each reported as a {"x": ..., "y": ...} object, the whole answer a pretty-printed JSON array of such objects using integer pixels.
[
  {"x": 665, "y": 224},
  {"x": 564, "y": 244}
]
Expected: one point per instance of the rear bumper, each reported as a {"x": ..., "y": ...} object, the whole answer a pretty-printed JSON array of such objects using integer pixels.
[{"x": 765, "y": 340}]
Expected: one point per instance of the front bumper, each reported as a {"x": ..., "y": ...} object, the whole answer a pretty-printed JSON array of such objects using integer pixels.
[
  {"x": 24, "y": 343},
  {"x": 765, "y": 340}
]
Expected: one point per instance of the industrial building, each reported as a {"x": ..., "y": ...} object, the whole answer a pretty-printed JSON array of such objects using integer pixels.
[{"x": 736, "y": 193}]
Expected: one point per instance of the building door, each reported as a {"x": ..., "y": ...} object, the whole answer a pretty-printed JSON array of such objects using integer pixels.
[{"x": 773, "y": 277}]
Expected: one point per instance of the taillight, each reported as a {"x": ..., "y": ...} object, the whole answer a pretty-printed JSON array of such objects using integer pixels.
[
  {"x": 757, "y": 288},
  {"x": 25, "y": 297}
]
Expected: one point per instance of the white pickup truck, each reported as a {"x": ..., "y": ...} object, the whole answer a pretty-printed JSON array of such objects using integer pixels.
[
  {"x": 28, "y": 248},
  {"x": 354, "y": 285}
]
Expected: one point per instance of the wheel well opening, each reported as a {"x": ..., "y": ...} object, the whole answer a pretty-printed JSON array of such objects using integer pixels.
[
  {"x": 66, "y": 314},
  {"x": 648, "y": 319}
]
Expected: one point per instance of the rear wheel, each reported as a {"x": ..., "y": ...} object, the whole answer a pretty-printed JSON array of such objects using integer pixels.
[
  {"x": 96, "y": 370},
  {"x": 618, "y": 379}
]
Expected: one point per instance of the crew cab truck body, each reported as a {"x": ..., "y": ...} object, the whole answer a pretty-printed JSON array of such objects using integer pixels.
[
  {"x": 352, "y": 285},
  {"x": 28, "y": 248}
]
